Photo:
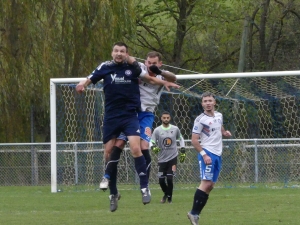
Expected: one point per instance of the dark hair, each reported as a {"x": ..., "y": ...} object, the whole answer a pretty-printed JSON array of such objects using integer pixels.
[
  {"x": 121, "y": 44},
  {"x": 165, "y": 112},
  {"x": 154, "y": 54},
  {"x": 207, "y": 94}
]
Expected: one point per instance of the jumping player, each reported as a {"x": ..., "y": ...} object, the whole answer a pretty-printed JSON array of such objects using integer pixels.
[{"x": 122, "y": 102}]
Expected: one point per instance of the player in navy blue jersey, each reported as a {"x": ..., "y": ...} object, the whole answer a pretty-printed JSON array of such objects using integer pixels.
[{"x": 122, "y": 102}]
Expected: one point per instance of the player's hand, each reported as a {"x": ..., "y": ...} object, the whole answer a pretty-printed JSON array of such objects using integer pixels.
[
  {"x": 155, "y": 69},
  {"x": 80, "y": 88},
  {"x": 227, "y": 133},
  {"x": 207, "y": 160},
  {"x": 155, "y": 149},
  {"x": 182, "y": 155},
  {"x": 168, "y": 85},
  {"x": 130, "y": 59}
]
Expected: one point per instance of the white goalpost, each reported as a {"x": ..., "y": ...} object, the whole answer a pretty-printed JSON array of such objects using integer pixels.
[{"x": 262, "y": 110}]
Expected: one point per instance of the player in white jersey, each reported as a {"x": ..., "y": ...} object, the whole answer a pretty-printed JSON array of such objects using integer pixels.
[
  {"x": 208, "y": 127},
  {"x": 163, "y": 143}
]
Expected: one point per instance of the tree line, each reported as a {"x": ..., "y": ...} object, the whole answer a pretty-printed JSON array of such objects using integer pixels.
[{"x": 42, "y": 39}]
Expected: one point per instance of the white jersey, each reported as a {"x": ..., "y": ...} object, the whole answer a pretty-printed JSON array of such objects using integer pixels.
[
  {"x": 210, "y": 130},
  {"x": 150, "y": 93}
]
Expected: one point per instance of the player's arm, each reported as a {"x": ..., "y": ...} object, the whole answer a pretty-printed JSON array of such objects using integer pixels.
[
  {"x": 182, "y": 154},
  {"x": 225, "y": 133},
  {"x": 154, "y": 80},
  {"x": 94, "y": 77},
  {"x": 198, "y": 147},
  {"x": 168, "y": 76},
  {"x": 81, "y": 86}
]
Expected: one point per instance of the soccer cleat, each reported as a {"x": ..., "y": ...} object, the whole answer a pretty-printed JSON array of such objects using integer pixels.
[
  {"x": 193, "y": 218},
  {"x": 114, "y": 202},
  {"x": 104, "y": 184},
  {"x": 163, "y": 200},
  {"x": 146, "y": 195}
]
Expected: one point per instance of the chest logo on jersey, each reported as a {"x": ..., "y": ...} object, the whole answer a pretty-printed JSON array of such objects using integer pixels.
[
  {"x": 167, "y": 142},
  {"x": 119, "y": 80},
  {"x": 128, "y": 72}
]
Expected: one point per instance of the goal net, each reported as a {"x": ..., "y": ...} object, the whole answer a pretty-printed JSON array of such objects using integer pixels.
[{"x": 262, "y": 111}]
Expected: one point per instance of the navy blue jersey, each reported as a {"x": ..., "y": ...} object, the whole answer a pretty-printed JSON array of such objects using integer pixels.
[{"x": 121, "y": 88}]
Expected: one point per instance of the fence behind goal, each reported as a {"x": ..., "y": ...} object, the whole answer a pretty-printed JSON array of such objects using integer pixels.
[{"x": 260, "y": 106}]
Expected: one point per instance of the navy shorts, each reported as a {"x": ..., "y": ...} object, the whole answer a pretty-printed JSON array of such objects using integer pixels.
[
  {"x": 113, "y": 128},
  {"x": 146, "y": 121}
]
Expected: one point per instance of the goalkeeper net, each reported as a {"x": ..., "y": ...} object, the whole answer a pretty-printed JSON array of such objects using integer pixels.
[{"x": 262, "y": 111}]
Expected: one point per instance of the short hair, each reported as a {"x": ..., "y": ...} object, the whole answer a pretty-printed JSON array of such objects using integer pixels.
[
  {"x": 165, "y": 112},
  {"x": 207, "y": 94},
  {"x": 154, "y": 54},
  {"x": 120, "y": 44}
]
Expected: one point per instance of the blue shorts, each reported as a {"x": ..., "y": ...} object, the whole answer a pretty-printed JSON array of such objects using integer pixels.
[
  {"x": 146, "y": 120},
  {"x": 212, "y": 171},
  {"x": 113, "y": 128}
]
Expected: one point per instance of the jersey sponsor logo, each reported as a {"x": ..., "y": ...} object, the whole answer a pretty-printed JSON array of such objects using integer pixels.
[
  {"x": 167, "y": 142},
  {"x": 128, "y": 72},
  {"x": 119, "y": 80},
  {"x": 113, "y": 76},
  {"x": 148, "y": 131}
]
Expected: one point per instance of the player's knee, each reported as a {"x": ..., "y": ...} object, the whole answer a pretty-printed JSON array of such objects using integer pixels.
[{"x": 120, "y": 143}]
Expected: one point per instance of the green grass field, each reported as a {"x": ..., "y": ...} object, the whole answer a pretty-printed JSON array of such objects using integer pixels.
[{"x": 226, "y": 206}]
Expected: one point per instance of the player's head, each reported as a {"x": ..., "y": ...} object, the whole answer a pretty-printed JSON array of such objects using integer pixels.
[
  {"x": 119, "y": 52},
  {"x": 153, "y": 58},
  {"x": 208, "y": 101},
  {"x": 165, "y": 118}
]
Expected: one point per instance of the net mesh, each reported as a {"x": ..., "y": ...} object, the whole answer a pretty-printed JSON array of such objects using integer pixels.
[{"x": 264, "y": 108}]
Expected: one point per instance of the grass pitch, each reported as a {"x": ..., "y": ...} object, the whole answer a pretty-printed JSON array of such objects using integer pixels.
[{"x": 226, "y": 206}]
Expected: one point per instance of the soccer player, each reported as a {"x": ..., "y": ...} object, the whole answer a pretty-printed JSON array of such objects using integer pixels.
[
  {"x": 163, "y": 143},
  {"x": 122, "y": 102},
  {"x": 208, "y": 127},
  {"x": 150, "y": 96}
]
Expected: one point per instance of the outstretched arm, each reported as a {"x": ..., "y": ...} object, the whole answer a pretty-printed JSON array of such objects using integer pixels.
[
  {"x": 154, "y": 80},
  {"x": 80, "y": 87}
]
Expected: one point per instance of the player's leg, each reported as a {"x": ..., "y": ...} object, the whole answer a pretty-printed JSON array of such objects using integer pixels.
[
  {"x": 209, "y": 175},
  {"x": 162, "y": 173},
  {"x": 146, "y": 121},
  {"x": 132, "y": 130},
  {"x": 117, "y": 148},
  {"x": 170, "y": 174},
  {"x": 115, "y": 154},
  {"x": 110, "y": 166}
]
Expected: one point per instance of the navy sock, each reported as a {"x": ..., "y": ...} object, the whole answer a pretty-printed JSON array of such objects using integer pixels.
[
  {"x": 147, "y": 156},
  {"x": 112, "y": 163},
  {"x": 140, "y": 167},
  {"x": 200, "y": 199}
]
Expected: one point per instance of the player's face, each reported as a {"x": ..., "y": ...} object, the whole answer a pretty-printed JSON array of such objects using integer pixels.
[
  {"x": 165, "y": 118},
  {"x": 152, "y": 61},
  {"x": 119, "y": 54},
  {"x": 208, "y": 103}
]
